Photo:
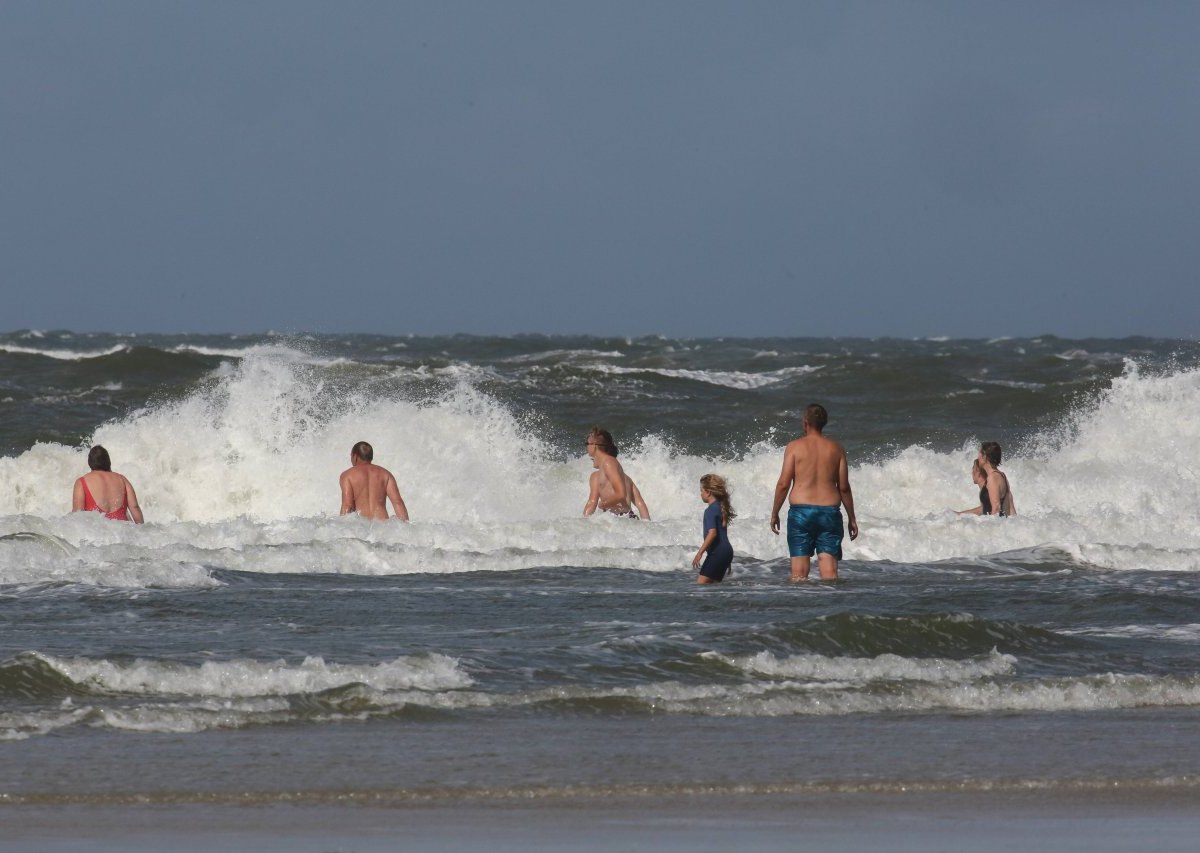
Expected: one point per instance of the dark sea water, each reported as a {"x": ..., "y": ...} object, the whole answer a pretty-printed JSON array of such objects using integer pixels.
[{"x": 249, "y": 645}]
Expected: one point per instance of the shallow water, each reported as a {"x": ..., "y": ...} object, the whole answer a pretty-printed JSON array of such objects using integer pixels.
[{"x": 249, "y": 642}]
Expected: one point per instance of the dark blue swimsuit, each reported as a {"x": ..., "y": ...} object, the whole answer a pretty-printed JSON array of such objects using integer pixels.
[{"x": 720, "y": 553}]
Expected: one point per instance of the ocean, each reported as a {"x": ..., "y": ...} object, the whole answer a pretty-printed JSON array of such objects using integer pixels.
[{"x": 247, "y": 646}]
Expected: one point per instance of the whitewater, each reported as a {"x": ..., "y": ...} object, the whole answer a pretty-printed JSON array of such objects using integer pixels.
[
  {"x": 241, "y": 473},
  {"x": 248, "y": 644}
]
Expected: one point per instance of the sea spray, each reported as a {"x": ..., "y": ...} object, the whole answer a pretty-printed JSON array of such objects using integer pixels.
[{"x": 247, "y": 463}]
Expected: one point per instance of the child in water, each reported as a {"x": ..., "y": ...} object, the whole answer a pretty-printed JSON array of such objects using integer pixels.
[{"x": 718, "y": 515}]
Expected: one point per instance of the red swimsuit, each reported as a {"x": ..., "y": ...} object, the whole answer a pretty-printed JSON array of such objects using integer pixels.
[{"x": 90, "y": 505}]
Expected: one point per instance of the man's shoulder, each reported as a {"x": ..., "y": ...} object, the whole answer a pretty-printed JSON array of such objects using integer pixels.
[{"x": 834, "y": 448}]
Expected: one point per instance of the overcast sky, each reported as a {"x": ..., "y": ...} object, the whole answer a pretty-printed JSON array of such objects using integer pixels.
[{"x": 685, "y": 168}]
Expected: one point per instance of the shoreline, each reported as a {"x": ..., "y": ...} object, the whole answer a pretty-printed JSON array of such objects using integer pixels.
[
  {"x": 584, "y": 794},
  {"x": 1094, "y": 817}
]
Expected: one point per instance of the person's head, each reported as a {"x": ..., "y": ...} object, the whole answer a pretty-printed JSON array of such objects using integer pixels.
[
  {"x": 978, "y": 475},
  {"x": 990, "y": 452},
  {"x": 362, "y": 452},
  {"x": 98, "y": 459},
  {"x": 816, "y": 417},
  {"x": 717, "y": 489},
  {"x": 602, "y": 440}
]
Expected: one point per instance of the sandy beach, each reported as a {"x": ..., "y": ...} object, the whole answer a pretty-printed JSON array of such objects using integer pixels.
[{"x": 1116, "y": 819}]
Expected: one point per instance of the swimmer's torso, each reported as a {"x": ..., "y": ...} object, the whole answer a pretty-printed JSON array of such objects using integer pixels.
[
  {"x": 816, "y": 461},
  {"x": 368, "y": 485}
]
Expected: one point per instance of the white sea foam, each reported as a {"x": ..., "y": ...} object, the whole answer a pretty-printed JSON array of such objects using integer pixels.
[
  {"x": 220, "y": 352},
  {"x": 865, "y": 691},
  {"x": 726, "y": 378},
  {"x": 243, "y": 475},
  {"x": 888, "y": 667},
  {"x": 154, "y": 696},
  {"x": 273, "y": 352},
  {"x": 249, "y": 678},
  {"x": 22, "y": 725},
  {"x": 1089, "y": 693},
  {"x": 1174, "y": 633},
  {"x": 63, "y": 354},
  {"x": 173, "y": 697}
]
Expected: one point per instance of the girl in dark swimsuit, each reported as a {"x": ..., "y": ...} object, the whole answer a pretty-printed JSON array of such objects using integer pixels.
[
  {"x": 715, "y": 551},
  {"x": 979, "y": 478},
  {"x": 1000, "y": 499}
]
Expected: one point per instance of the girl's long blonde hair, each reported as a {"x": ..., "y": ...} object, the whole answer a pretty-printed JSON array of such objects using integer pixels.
[{"x": 716, "y": 486}]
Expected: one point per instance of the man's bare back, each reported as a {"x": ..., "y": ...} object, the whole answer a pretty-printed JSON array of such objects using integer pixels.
[
  {"x": 609, "y": 487},
  {"x": 816, "y": 481},
  {"x": 602, "y": 493},
  {"x": 365, "y": 486},
  {"x": 817, "y": 468}
]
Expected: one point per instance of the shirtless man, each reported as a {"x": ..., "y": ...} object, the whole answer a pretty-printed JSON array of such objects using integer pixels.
[
  {"x": 609, "y": 487},
  {"x": 815, "y": 472},
  {"x": 365, "y": 485}
]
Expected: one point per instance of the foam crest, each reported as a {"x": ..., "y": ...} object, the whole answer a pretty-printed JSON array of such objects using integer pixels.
[
  {"x": 736, "y": 379},
  {"x": 63, "y": 354},
  {"x": 887, "y": 667},
  {"x": 802, "y": 698},
  {"x": 192, "y": 713},
  {"x": 267, "y": 438},
  {"x": 246, "y": 467},
  {"x": 248, "y": 678},
  {"x": 1109, "y": 485}
]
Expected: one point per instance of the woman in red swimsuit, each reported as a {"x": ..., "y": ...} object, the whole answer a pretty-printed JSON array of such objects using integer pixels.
[{"x": 102, "y": 489}]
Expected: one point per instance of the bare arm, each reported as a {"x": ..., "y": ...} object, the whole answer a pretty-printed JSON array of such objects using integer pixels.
[
  {"x": 973, "y": 511},
  {"x": 847, "y": 496},
  {"x": 709, "y": 538},
  {"x": 782, "y": 487},
  {"x": 77, "y": 496},
  {"x": 393, "y": 493},
  {"x": 643, "y": 510},
  {"x": 347, "y": 496},
  {"x": 593, "y": 494},
  {"x": 131, "y": 502}
]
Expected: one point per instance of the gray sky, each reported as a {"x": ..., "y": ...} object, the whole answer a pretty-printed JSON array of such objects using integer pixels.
[{"x": 686, "y": 168}]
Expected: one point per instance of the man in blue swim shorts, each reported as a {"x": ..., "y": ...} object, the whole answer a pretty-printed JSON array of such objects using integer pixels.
[{"x": 816, "y": 481}]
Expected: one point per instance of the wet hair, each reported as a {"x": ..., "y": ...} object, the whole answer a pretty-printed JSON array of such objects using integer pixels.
[
  {"x": 716, "y": 486},
  {"x": 98, "y": 459},
  {"x": 816, "y": 415},
  {"x": 991, "y": 452},
  {"x": 363, "y": 451},
  {"x": 604, "y": 440}
]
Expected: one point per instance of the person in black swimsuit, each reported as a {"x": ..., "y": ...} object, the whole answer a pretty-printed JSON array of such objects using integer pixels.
[
  {"x": 979, "y": 478},
  {"x": 1000, "y": 499}
]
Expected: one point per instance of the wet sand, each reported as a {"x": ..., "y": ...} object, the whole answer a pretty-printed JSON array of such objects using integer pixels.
[{"x": 1114, "y": 819}]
